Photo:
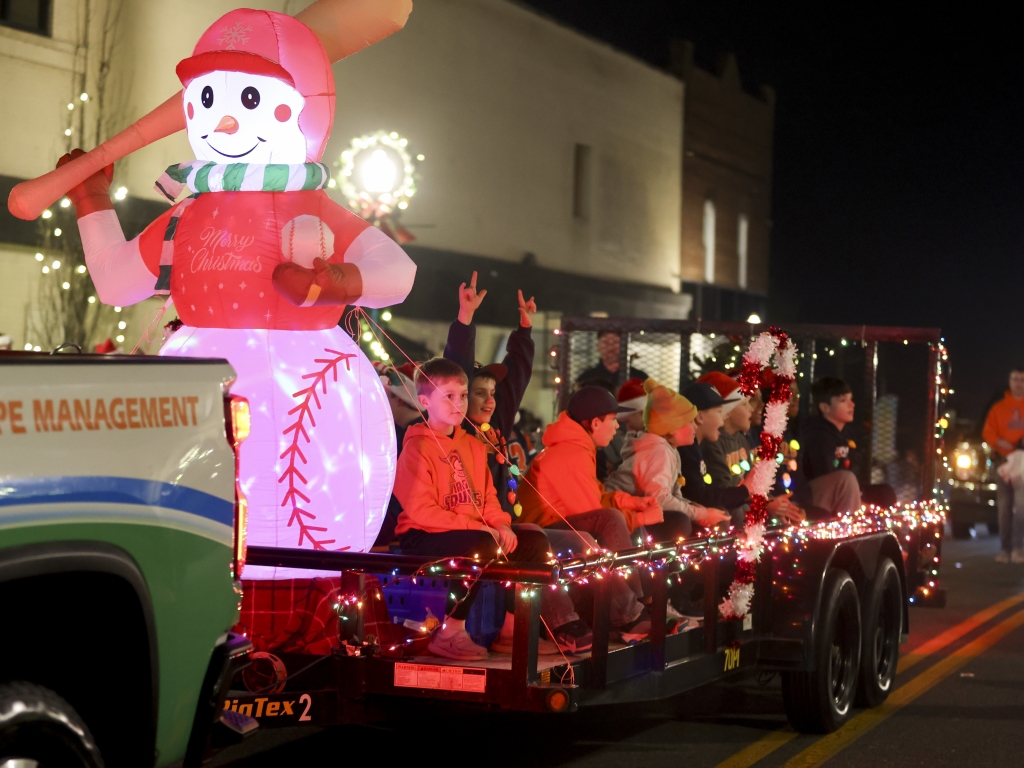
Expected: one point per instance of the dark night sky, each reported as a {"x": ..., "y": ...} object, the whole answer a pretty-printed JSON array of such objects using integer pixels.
[{"x": 899, "y": 151}]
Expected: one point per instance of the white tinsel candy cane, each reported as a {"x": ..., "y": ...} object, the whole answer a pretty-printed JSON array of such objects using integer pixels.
[
  {"x": 785, "y": 361},
  {"x": 762, "y": 478},
  {"x": 737, "y": 604},
  {"x": 761, "y": 350},
  {"x": 776, "y": 416}
]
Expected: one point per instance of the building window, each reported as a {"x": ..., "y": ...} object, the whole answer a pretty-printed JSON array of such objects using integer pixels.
[
  {"x": 581, "y": 182},
  {"x": 709, "y": 241},
  {"x": 741, "y": 249},
  {"x": 29, "y": 15}
]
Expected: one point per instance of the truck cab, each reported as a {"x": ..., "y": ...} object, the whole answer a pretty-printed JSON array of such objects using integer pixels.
[{"x": 118, "y": 540}]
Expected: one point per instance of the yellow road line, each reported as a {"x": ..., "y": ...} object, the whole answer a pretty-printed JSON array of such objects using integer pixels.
[
  {"x": 764, "y": 746},
  {"x": 759, "y": 749},
  {"x": 953, "y": 634},
  {"x": 829, "y": 746}
]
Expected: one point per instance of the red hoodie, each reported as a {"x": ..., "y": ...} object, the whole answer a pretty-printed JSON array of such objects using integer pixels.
[
  {"x": 443, "y": 483},
  {"x": 1004, "y": 421},
  {"x": 562, "y": 479}
]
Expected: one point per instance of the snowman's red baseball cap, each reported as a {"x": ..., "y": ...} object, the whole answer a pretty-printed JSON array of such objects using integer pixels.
[{"x": 274, "y": 45}]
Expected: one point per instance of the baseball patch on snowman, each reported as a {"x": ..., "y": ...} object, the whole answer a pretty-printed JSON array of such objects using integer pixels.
[{"x": 305, "y": 238}]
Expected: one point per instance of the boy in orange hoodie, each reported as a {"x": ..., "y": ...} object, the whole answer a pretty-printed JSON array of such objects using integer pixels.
[
  {"x": 561, "y": 490},
  {"x": 450, "y": 508},
  {"x": 1004, "y": 431}
]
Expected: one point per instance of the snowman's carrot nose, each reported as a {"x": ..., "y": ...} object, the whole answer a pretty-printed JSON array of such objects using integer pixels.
[{"x": 227, "y": 124}]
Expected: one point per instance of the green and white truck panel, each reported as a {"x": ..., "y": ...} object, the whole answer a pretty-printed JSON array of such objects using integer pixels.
[{"x": 127, "y": 458}]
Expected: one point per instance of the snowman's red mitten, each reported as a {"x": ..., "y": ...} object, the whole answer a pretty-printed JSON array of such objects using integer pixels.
[
  {"x": 93, "y": 194},
  {"x": 323, "y": 285}
]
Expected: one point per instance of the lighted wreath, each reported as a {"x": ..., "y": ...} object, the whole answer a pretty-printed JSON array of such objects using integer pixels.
[
  {"x": 769, "y": 364},
  {"x": 378, "y": 175}
]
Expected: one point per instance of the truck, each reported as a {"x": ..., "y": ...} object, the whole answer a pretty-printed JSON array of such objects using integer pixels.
[
  {"x": 829, "y": 611},
  {"x": 119, "y": 537}
]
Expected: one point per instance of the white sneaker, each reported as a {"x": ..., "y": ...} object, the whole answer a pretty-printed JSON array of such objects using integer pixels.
[
  {"x": 1003, "y": 557},
  {"x": 1017, "y": 556},
  {"x": 458, "y": 646}
]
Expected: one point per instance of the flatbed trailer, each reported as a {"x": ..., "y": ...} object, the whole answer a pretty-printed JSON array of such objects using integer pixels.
[{"x": 829, "y": 613}]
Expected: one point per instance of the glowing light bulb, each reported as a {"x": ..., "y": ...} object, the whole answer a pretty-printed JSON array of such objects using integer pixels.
[
  {"x": 66, "y": 285},
  {"x": 67, "y": 131},
  {"x": 80, "y": 269},
  {"x": 121, "y": 193},
  {"x": 57, "y": 232},
  {"x": 92, "y": 299},
  {"x": 64, "y": 203},
  {"x": 46, "y": 270},
  {"x": 39, "y": 257},
  {"x": 56, "y": 265},
  {"x": 84, "y": 97},
  {"x": 47, "y": 213},
  {"x": 122, "y": 325},
  {"x": 385, "y": 316},
  {"x": 378, "y": 172},
  {"x": 119, "y": 339},
  {"x": 754, "y": 319}
]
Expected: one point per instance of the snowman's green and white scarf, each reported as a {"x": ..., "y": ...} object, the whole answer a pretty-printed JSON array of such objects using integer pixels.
[{"x": 203, "y": 176}]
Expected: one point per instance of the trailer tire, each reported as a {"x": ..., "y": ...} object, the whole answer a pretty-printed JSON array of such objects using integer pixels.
[
  {"x": 820, "y": 701},
  {"x": 37, "y": 724},
  {"x": 883, "y": 625}
]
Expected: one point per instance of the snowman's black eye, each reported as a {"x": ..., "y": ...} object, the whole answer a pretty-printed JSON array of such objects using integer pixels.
[
  {"x": 250, "y": 98},
  {"x": 207, "y": 97}
]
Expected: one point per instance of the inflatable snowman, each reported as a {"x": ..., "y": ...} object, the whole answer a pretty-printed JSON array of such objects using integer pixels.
[{"x": 260, "y": 264}]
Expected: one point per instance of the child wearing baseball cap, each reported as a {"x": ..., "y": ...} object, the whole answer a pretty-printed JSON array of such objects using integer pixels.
[{"x": 561, "y": 490}]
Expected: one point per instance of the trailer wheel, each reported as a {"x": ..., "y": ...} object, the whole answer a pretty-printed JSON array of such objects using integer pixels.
[
  {"x": 822, "y": 700},
  {"x": 883, "y": 623},
  {"x": 40, "y": 728}
]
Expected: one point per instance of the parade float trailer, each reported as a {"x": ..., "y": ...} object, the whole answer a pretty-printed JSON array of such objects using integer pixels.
[{"x": 121, "y": 515}]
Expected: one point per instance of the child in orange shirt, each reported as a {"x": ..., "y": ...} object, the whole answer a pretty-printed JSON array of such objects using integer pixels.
[{"x": 450, "y": 507}]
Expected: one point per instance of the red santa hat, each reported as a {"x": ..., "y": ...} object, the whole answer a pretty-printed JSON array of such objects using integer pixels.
[
  {"x": 726, "y": 386},
  {"x": 297, "y": 50},
  {"x": 632, "y": 395}
]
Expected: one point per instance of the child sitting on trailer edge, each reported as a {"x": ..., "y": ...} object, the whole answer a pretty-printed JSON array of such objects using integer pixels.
[{"x": 450, "y": 508}]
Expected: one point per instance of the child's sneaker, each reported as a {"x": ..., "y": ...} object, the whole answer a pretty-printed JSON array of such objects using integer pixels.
[
  {"x": 574, "y": 637},
  {"x": 458, "y": 646},
  {"x": 503, "y": 644},
  {"x": 1003, "y": 557},
  {"x": 636, "y": 630}
]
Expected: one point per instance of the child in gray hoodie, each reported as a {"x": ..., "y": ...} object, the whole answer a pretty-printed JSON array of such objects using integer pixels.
[{"x": 651, "y": 465}]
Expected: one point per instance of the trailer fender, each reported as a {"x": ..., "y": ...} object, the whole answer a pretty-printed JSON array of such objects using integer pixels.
[{"x": 798, "y": 576}]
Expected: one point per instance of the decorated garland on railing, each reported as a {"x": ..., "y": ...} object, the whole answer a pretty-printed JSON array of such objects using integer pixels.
[{"x": 769, "y": 364}]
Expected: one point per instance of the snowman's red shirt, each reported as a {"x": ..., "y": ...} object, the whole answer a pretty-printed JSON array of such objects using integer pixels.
[{"x": 226, "y": 245}]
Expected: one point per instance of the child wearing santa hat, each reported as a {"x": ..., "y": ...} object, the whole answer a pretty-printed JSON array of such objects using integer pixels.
[{"x": 729, "y": 458}]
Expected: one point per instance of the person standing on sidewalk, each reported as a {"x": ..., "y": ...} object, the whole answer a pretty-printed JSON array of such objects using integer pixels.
[{"x": 1004, "y": 431}]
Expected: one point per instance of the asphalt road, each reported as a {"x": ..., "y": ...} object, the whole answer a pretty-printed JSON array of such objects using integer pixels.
[{"x": 959, "y": 701}]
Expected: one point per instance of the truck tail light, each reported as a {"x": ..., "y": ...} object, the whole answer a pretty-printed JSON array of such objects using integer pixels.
[{"x": 239, "y": 424}]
